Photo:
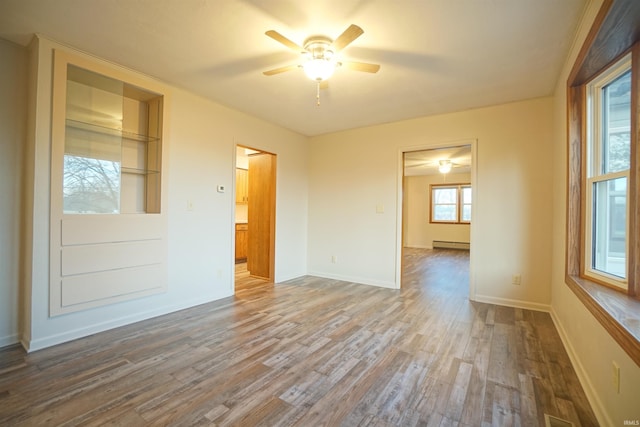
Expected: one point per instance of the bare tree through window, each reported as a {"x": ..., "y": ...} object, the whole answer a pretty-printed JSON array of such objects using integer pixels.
[{"x": 91, "y": 185}]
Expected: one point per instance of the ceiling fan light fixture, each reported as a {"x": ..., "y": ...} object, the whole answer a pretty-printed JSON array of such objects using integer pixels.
[
  {"x": 319, "y": 69},
  {"x": 320, "y": 55},
  {"x": 445, "y": 166}
]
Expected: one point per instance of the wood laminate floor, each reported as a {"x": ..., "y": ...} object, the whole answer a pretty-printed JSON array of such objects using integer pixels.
[
  {"x": 244, "y": 281},
  {"x": 310, "y": 352}
]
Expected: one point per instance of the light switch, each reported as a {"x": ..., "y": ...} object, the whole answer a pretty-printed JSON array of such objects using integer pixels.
[{"x": 379, "y": 209}]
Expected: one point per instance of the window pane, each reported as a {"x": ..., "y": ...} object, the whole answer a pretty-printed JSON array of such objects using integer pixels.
[
  {"x": 445, "y": 213},
  {"x": 610, "y": 226},
  {"x": 90, "y": 185},
  {"x": 466, "y": 195},
  {"x": 92, "y": 148},
  {"x": 616, "y": 124},
  {"x": 445, "y": 195},
  {"x": 466, "y": 213}
]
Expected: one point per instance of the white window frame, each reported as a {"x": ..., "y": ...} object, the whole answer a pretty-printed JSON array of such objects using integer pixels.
[
  {"x": 459, "y": 203},
  {"x": 596, "y": 175},
  {"x": 462, "y": 203}
]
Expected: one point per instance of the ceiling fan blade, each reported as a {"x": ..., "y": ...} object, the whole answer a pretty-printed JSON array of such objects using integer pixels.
[
  {"x": 279, "y": 70},
  {"x": 349, "y": 35},
  {"x": 285, "y": 41},
  {"x": 361, "y": 66}
]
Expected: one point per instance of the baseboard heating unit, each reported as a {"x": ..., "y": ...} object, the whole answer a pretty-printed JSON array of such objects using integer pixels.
[{"x": 442, "y": 244}]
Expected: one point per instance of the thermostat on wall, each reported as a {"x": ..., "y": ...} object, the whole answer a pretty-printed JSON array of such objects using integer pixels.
[{"x": 220, "y": 188}]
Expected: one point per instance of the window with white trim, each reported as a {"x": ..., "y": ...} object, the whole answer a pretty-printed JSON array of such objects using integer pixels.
[
  {"x": 607, "y": 175},
  {"x": 450, "y": 204}
]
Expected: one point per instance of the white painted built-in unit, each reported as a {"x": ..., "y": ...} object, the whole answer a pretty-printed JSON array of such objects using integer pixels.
[{"x": 108, "y": 233}]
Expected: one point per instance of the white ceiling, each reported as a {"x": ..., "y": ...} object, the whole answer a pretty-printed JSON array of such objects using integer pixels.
[
  {"x": 436, "y": 56},
  {"x": 426, "y": 162}
]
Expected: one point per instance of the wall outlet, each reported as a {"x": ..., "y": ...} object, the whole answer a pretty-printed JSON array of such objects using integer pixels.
[
  {"x": 516, "y": 280},
  {"x": 615, "y": 377},
  {"x": 334, "y": 259}
]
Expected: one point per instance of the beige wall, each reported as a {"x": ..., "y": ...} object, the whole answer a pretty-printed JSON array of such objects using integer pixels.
[
  {"x": 353, "y": 172},
  {"x": 591, "y": 348},
  {"x": 418, "y": 231},
  {"x": 200, "y": 146},
  {"x": 13, "y": 108}
]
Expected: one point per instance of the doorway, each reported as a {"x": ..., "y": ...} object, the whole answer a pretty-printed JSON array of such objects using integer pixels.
[
  {"x": 437, "y": 188},
  {"x": 254, "y": 217}
]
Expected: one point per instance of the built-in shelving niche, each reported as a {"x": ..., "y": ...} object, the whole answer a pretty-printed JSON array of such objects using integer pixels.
[
  {"x": 112, "y": 146},
  {"x": 108, "y": 233}
]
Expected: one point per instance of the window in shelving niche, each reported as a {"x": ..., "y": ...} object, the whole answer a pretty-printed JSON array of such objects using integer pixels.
[{"x": 112, "y": 148}]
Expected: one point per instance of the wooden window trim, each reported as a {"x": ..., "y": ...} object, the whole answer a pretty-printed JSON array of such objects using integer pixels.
[
  {"x": 614, "y": 33},
  {"x": 459, "y": 187}
]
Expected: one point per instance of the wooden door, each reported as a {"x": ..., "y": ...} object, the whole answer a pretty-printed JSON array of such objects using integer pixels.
[{"x": 261, "y": 215}]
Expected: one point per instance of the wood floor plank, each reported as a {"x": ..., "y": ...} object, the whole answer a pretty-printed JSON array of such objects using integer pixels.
[
  {"x": 459, "y": 391},
  {"x": 310, "y": 352},
  {"x": 506, "y": 407},
  {"x": 528, "y": 413},
  {"x": 503, "y": 365}
]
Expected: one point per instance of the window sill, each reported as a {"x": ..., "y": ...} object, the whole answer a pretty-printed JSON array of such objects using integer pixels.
[{"x": 617, "y": 312}]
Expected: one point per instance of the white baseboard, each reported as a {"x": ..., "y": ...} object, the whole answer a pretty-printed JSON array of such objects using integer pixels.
[
  {"x": 280, "y": 279},
  {"x": 596, "y": 404},
  {"x": 360, "y": 280},
  {"x": 527, "y": 305},
  {"x": 44, "y": 342}
]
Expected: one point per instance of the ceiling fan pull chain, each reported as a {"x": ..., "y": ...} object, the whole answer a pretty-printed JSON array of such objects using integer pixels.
[{"x": 318, "y": 93}]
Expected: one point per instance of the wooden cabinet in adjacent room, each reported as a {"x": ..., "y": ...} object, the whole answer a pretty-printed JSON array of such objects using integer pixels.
[
  {"x": 241, "y": 242},
  {"x": 242, "y": 185}
]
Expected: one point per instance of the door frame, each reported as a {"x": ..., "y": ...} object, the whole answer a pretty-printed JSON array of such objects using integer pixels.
[
  {"x": 474, "y": 201},
  {"x": 272, "y": 234}
]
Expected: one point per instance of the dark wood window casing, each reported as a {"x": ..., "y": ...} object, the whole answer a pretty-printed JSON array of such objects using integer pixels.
[{"x": 615, "y": 33}]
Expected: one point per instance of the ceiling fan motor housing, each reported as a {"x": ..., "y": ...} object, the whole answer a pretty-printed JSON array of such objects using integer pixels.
[{"x": 318, "y": 47}]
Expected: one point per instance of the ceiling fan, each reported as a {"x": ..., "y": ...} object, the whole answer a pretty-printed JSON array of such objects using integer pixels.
[{"x": 319, "y": 55}]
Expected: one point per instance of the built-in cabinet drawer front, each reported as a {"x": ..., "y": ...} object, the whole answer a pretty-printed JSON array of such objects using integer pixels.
[
  {"x": 93, "y": 289},
  {"x": 242, "y": 227},
  {"x": 88, "y": 229},
  {"x": 92, "y": 258},
  {"x": 109, "y": 258}
]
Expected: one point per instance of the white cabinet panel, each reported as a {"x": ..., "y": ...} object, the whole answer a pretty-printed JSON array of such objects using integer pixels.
[
  {"x": 112, "y": 285},
  {"x": 111, "y": 256},
  {"x": 90, "y": 229}
]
